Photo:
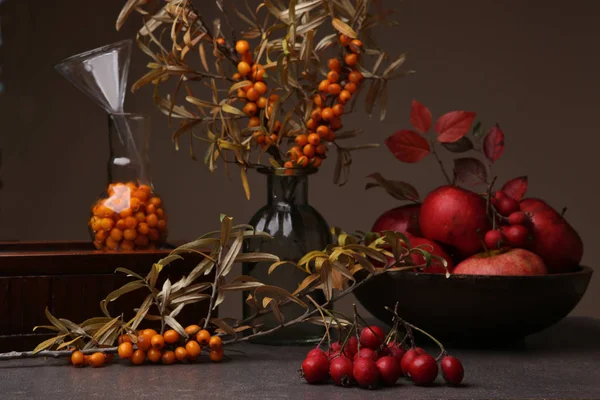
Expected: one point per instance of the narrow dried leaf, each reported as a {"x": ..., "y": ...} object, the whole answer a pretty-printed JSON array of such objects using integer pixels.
[
  {"x": 274, "y": 291},
  {"x": 240, "y": 286},
  {"x": 226, "y": 226},
  {"x": 129, "y": 272},
  {"x": 306, "y": 283},
  {"x": 397, "y": 63},
  {"x": 224, "y": 326},
  {"x": 203, "y": 57},
  {"x": 343, "y": 28},
  {"x": 172, "y": 322},
  {"x": 232, "y": 110},
  {"x": 54, "y": 321},
  {"x": 46, "y": 344},
  {"x": 397, "y": 189},
  {"x": 245, "y": 183},
  {"x": 256, "y": 257}
]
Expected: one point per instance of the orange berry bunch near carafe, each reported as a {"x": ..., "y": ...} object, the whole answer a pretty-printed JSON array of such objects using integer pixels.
[
  {"x": 130, "y": 217},
  {"x": 254, "y": 94},
  {"x": 334, "y": 93}
]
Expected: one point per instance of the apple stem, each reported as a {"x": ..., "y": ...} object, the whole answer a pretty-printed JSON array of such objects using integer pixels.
[{"x": 564, "y": 210}]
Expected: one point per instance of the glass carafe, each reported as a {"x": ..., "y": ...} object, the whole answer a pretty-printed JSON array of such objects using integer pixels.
[{"x": 296, "y": 228}]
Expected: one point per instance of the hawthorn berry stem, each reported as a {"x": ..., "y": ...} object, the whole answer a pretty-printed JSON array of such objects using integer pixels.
[{"x": 439, "y": 160}]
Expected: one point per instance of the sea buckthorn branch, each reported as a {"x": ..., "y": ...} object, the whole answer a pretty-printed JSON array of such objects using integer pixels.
[{"x": 285, "y": 65}]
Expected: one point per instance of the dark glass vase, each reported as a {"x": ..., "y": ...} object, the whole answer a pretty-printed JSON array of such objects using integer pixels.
[{"x": 296, "y": 228}]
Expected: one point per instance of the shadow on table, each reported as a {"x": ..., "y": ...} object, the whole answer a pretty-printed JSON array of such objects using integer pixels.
[{"x": 576, "y": 334}]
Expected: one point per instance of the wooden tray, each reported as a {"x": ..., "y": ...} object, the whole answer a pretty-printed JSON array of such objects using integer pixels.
[{"x": 70, "y": 278}]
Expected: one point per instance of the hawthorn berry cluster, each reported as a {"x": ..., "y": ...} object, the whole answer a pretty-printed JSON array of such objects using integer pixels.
[{"x": 373, "y": 360}]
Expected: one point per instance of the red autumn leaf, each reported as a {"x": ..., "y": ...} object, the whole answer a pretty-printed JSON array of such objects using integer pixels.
[
  {"x": 516, "y": 188},
  {"x": 420, "y": 117},
  {"x": 454, "y": 125},
  {"x": 493, "y": 144},
  {"x": 408, "y": 146},
  {"x": 470, "y": 171}
]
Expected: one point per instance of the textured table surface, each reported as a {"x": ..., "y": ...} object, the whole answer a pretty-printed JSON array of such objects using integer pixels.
[{"x": 562, "y": 362}]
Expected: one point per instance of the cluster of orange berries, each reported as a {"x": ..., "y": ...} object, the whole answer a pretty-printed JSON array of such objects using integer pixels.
[
  {"x": 335, "y": 91},
  {"x": 131, "y": 218},
  {"x": 255, "y": 93},
  {"x": 167, "y": 348}
]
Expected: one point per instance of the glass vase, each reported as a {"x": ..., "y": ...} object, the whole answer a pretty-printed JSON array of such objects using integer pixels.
[
  {"x": 296, "y": 228},
  {"x": 128, "y": 215}
]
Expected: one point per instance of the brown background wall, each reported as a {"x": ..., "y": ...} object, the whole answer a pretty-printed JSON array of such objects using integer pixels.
[{"x": 530, "y": 65}]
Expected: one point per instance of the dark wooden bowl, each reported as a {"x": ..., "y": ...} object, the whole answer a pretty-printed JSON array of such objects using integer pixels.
[{"x": 476, "y": 310}]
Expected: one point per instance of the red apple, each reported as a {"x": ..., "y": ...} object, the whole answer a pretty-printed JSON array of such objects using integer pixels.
[
  {"x": 452, "y": 216},
  {"x": 432, "y": 247},
  {"x": 403, "y": 219},
  {"x": 559, "y": 245},
  {"x": 513, "y": 262}
]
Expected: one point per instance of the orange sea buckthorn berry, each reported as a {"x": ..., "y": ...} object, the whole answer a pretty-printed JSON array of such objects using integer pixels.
[
  {"x": 327, "y": 114},
  {"x": 129, "y": 234},
  {"x": 237, "y": 76},
  {"x": 151, "y": 220},
  {"x": 142, "y": 229},
  {"x": 295, "y": 152},
  {"x": 253, "y": 121},
  {"x": 334, "y": 89},
  {"x": 311, "y": 124},
  {"x": 318, "y": 100},
  {"x": 168, "y": 357},
  {"x": 98, "y": 244},
  {"x": 261, "y": 103},
  {"x": 193, "y": 349},
  {"x": 111, "y": 244},
  {"x": 203, "y": 337},
  {"x": 338, "y": 109},
  {"x": 317, "y": 162},
  {"x": 256, "y": 67},
  {"x": 316, "y": 114},
  {"x": 77, "y": 358},
  {"x": 160, "y": 213},
  {"x": 192, "y": 329},
  {"x": 334, "y": 64},
  {"x": 250, "y": 109},
  {"x": 260, "y": 87},
  {"x": 131, "y": 222},
  {"x": 321, "y": 149},
  {"x": 124, "y": 338},
  {"x": 335, "y": 124},
  {"x": 156, "y": 201},
  {"x": 101, "y": 236},
  {"x": 355, "y": 77},
  {"x": 267, "y": 141},
  {"x": 153, "y": 235},
  {"x": 216, "y": 355},
  {"x": 277, "y": 126},
  {"x": 323, "y": 131},
  {"x": 140, "y": 194},
  {"x": 150, "y": 209},
  {"x": 125, "y": 350},
  {"x": 215, "y": 343},
  {"x": 242, "y": 46},
  {"x": 252, "y": 94},
  {"x": 116, "y": 234},
  {"x": 302, "y": 161},
  {"x": 97, "y": 360},
  {"x": 171, "y": 336},
  {"x": 288, "y": 164},
  {"x": 127, "y": 245},
  {"x": 351, "y": 59},
  {"x": 344, "y": 96},
  {"x": 301, "y": 140},
  {"x": 273, "y": 98},
  {"x": 107, "y": 224},
  {"x": 220, "y": 41},
  {"x": 241, "y": 94},
  {"x": 158, "y": 342},
  {"x": 181, "y": 353},
  {"x": 269, "y": 111},
  {"x": 135, "y": 204},
  {"x": 273, "y": 137},
  {"x": 259, "y": 75},
  {"x": 140, "y": 216},
  {"x": 314, "y": 139},
  {"x": 324, "y": 85},
  {"x": 308, "y": 150},
  {"x": 143, "y": 342},
  {"x": 243, "y": 68},
  {"x": 138, "y": 357},
  {"x": 95, "y": 224},
  {"x": 259, "y": 137},
  {"x": 154, "y": 355},
  {"x": 333, "y": 76},
  {"x": 127, "y": 212},
  {"x": 142, "y": 241},
  {"x": 345, "y": 40},
  {"x": 355, "y": 46},
  {"x": 149, "y": 332}
]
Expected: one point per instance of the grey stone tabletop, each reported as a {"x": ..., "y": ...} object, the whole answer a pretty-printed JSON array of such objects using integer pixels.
[{"x": 562, "y": 362}]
